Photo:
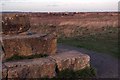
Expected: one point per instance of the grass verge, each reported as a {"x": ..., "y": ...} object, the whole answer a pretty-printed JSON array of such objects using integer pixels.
[
  {"x": 98, "y": 45},
  {"x": 17, "y": 57}
]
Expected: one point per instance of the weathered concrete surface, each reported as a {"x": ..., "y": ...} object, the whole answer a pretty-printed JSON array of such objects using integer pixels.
[
  {"x": 71, "y": 60},
  {"x": 34, "y": 68},
  {"x": 27, "y": 45},
  {"x": 14, "y": 24},
  {"x": 45, "y": 67},
  {"x": 4, "y": 71},
  {"x": 1, "y": 54}
]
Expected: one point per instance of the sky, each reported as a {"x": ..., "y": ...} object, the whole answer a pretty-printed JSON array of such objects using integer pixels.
[{"x": 60, "y": 5}]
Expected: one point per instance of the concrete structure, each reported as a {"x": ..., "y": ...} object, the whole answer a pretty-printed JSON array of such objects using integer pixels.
[{"x": 45, "y": 67}]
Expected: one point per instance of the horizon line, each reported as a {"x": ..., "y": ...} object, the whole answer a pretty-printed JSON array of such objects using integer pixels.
[{"x": 57, "y": 11}]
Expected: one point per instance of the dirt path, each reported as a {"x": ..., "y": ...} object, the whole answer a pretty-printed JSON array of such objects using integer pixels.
[{"x": 106, "y": 65}]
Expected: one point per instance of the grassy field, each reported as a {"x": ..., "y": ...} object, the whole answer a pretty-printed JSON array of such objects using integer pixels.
[{"x": 105, "y": 41}]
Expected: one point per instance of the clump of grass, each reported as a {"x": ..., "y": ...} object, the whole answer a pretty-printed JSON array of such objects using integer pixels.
[
  {"x": 67, "y": 73},
  {"x": 18, "y": 57},
  {"x": 88, "y": 72}
]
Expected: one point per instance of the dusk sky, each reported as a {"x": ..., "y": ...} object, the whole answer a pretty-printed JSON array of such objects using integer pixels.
[{"x": 60, "y": 5}]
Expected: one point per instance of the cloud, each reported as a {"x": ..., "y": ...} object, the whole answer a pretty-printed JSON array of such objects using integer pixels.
[
  {"x": 53, "y": 5},
  {"x": 59, "y": 5}
]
